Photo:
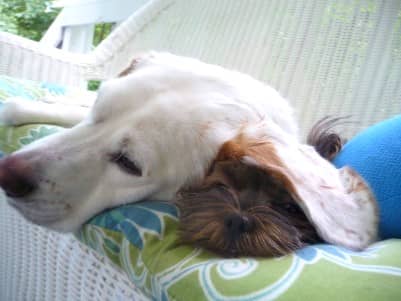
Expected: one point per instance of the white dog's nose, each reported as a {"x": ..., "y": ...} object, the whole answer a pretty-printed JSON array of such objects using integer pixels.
[{"x": 15, "y": 177}]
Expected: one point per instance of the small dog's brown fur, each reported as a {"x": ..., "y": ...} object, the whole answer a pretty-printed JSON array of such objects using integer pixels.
[
  {"x": 322, "y": 137},
  {"x": 242, "y": 210}
]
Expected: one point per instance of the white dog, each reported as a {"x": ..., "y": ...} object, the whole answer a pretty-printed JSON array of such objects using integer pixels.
[{"x": 156, "y": 129}]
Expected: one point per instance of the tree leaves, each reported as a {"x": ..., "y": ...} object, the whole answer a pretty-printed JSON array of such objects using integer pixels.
[{"x": 28, "y": 18}]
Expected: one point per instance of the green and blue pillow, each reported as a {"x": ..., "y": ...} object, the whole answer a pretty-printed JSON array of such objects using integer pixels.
[{"x": 376, "y": 154}]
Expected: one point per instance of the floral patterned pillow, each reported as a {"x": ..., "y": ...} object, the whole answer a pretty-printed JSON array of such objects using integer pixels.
[
  {"x": 13, "y": 138},
  {"x": 142, "y": 240}
]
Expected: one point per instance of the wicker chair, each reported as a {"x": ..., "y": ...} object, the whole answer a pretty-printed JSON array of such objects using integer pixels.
[{"x": 326, "y": 56}]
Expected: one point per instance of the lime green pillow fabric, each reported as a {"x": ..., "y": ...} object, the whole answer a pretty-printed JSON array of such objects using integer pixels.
[{"x": 142, "y": 240}]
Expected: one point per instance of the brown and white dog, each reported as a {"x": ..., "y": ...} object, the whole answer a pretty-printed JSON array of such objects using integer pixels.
[
  {"x": 247, "y": 204},
  {"x": 165, "y": 124}
]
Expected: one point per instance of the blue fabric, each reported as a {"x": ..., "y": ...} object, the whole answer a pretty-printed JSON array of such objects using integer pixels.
[{"x": 376, "y": 154}]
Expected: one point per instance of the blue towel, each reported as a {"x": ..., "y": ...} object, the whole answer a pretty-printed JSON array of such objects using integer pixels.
[{"x": 376, "y": 154}]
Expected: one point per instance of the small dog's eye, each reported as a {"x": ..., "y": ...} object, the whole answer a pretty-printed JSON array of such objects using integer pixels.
[
  {"x": 291, "y": 207},
  {"x": 126, "y": 164},
  {"x": 220, "y": 185}
]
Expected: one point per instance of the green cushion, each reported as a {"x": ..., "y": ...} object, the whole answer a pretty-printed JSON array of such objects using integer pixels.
[
  {"x": 142, "y": 240},
  {"x": 13, "y": 138}
]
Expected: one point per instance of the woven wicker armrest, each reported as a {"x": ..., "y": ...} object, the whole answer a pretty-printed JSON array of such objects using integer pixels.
[{"x": 24, "y": 58}]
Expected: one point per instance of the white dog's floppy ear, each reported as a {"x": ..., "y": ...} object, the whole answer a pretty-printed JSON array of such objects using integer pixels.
[{"x": 337, "y": 202}]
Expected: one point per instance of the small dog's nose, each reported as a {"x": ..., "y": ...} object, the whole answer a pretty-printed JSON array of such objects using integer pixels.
[
  {"x": 237, "y": 224},
  {"x": 15, "y": 177}
]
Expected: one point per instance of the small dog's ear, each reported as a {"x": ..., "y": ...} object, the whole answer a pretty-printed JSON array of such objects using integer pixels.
[{"x": 337, "y": 202}]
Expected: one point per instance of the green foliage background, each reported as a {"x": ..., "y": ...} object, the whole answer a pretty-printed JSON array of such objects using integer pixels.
[
  {"x": 31, "y": 19},
  {"x": 27, "y": 18}
]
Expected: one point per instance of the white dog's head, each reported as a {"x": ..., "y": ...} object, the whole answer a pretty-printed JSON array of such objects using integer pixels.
[{"x": 156, "y": 129}]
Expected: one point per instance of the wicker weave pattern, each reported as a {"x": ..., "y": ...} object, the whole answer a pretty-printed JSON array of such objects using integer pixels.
[
  {"x": 37, "y": 264},
  {"x": 325, "y": 56},
  {"x": 24, "y": 58}
]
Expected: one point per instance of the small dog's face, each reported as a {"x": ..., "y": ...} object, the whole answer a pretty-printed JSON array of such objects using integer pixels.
[
  {"x": 267, "y": 196},
  {"x": 240, "y": 210}
]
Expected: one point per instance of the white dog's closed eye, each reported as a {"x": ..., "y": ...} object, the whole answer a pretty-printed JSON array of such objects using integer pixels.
[
  {"x": 156, "y": 129},
  {"x": 126, "y": 164}
]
